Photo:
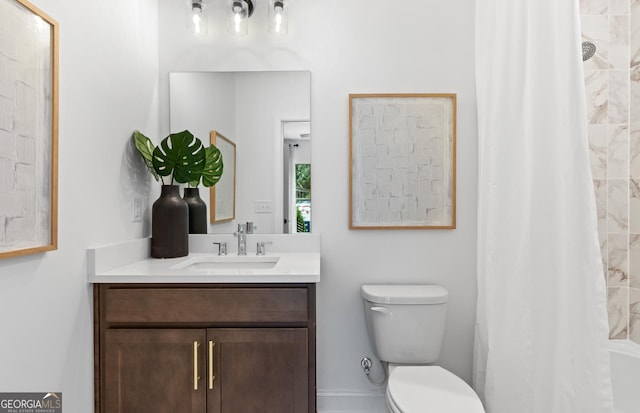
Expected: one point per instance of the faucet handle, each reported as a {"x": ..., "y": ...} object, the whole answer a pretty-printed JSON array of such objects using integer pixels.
[
  {"x": 222, "y": 247},
  {"x": 242, "y": 229},
  {"x": 260, "y": 247}
]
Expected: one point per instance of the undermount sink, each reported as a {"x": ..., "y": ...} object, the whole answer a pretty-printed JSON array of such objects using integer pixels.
[{"x": 214, "y": 262}]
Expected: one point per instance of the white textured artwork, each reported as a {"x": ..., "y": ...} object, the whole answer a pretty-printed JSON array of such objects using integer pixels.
[
  {"x": 402, "y": 161},
  {"x": 26, "y": 88}
]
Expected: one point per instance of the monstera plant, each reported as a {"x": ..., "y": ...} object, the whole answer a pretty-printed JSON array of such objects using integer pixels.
[{"x": 179, "y": 158}]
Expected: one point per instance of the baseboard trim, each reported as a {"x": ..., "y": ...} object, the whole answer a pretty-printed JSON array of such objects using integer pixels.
[{"x": 350, "y": 402}]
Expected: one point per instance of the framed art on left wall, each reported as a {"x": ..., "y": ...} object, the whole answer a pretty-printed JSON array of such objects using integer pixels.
[{"x": 28, "y": 130}]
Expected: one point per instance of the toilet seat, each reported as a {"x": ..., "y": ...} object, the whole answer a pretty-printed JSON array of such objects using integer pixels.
[{"x": 420, "y": 389}]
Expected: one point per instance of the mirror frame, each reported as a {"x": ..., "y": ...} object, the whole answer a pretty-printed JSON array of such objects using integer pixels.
[{"x": 226, "y": 146}]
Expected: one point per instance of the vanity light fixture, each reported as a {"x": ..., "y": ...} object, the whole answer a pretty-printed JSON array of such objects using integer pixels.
[
  {"x": 239, "y": 12},
  {"x": 277, "y": 18},
  {"x": 198, "y": 18}
]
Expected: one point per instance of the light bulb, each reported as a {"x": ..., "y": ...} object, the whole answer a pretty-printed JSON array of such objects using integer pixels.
[
  {"x": 196, "y": 23},
  {"x": 237, "y": 20}
]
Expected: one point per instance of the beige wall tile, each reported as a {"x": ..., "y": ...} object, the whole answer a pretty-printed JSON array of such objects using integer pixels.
[
  {"x": 634, "y": 150},
  {"x": 617, "y": 206},
  {"x": 618, "y": 269},
  {"x": 618, "y": 6},
  {"x": 634, "y": 260},
  {"x": 618, "y": 306},
  {"x": 618, "y": 150},
  {"x": 597, "y": 95},
  {"x": 619, "y": 42},
  {"x": 594, "y": 6},
  {"x": 598, "y": 144},
  {"x": 634, "y": 314}
]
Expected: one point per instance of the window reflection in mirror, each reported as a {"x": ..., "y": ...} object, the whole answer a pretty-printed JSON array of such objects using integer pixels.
[
  {"x": 251, "y": 108},
  {"x": 296, "y": 157}
]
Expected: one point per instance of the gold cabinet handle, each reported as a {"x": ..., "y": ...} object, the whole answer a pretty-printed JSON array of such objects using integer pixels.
[
  {"x": 195, "y": 365},
  {"x": 212, "y": 376}
]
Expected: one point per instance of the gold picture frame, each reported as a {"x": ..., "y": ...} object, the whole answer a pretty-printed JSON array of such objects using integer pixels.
[
  {"x": 223, "y": 194},
  {"x": 402, "y": 161},
  {"x": 28, "y": 131}
]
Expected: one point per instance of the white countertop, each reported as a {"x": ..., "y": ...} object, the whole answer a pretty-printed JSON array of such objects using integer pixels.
[{"x": 129, "y": 262}]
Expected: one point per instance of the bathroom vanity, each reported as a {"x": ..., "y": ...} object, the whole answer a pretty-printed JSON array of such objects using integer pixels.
[{"x": 189, "y": 340}]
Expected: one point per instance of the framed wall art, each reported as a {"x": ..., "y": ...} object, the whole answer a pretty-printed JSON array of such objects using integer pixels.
[
  {"x": 28, "y": 130},
  {"x": 402, "y": 161}
]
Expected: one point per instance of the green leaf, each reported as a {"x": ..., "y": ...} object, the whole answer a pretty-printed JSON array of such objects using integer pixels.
[
  {"x": 180, "y": 155},
  {"x": 145, "y": 148},
  {"x": 213, "y": 166}
]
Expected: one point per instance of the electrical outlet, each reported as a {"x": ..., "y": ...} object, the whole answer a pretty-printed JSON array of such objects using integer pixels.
[
  {"x": 137, "y": 209},
  {"x": 264, "y": 207}
]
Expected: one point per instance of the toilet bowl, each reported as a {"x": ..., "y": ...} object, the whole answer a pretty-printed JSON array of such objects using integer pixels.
[
  {"x": 421, "y": 389},
  {"x": 406, "y": 326}
]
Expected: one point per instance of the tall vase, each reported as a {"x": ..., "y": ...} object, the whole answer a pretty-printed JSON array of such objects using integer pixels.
[
  {"x": 197, "y": 211},
  {"x": 169, "y": 224}
]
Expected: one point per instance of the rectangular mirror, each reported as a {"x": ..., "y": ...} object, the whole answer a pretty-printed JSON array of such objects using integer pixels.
[
  {"x": 223, "y": 194},
  {"x": 258, "y": 111}
]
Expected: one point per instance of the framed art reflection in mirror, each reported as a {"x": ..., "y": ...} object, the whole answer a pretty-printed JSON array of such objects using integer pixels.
[{"x": 223, "y": 194}]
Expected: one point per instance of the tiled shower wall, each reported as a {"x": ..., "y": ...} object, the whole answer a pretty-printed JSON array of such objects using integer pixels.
[{"x": 612, "y": 82}]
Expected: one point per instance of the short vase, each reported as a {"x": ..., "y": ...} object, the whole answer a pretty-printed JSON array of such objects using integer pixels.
[{"x": 197, "y": 211}]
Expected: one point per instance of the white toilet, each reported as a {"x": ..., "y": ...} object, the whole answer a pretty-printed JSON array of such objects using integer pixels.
[{"x": 406, "y": 326}]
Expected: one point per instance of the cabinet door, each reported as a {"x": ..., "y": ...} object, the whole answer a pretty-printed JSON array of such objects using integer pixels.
[
  {"x": 258, "y": 370},
  {"x": 154, "y": 370}
]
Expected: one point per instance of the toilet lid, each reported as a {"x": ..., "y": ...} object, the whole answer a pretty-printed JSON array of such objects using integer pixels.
[{"x": 413, "y": 389}]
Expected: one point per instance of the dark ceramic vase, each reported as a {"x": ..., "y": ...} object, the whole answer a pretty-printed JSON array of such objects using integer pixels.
[
  {"x": 197, "y": 211},
  {"x": 169, "y": 224}
]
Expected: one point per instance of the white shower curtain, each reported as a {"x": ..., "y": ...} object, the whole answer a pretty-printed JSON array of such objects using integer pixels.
[{"x": 541, "y": 330}]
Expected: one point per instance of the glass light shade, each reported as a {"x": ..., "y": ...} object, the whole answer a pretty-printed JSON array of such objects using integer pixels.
[
  {"x": 198, "y": 19},
  {"x": 278, "y": 22},
  {"x": 239, "y": 18}
]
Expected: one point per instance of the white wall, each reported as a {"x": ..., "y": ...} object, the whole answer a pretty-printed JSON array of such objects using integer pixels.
[
  {"x": 108, "y": 88},
  {"x": 360, "y": 46}
]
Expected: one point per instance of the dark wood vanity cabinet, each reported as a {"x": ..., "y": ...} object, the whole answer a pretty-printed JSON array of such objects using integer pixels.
[{"x": 205, "y": 348}]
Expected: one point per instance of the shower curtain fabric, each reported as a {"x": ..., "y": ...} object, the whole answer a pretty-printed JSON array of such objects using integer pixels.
[{"x": 541, "y": 330}]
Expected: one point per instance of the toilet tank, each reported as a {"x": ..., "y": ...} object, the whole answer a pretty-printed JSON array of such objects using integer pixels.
[{"x": 405, "y": 323}]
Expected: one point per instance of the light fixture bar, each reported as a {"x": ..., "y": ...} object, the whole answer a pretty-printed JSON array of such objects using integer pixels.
[{"x": 239, "y": 12}]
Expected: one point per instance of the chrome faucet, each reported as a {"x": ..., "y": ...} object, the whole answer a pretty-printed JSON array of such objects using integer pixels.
[{"x": 242, "y": 239}]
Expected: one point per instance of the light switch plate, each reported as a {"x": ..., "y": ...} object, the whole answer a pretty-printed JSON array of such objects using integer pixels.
[
  {"x": 137, "y": 209},
  {"x": 264, "y": 207}
]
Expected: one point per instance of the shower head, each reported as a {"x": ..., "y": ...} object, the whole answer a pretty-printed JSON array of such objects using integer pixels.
[{"x": 588, "y": 50}]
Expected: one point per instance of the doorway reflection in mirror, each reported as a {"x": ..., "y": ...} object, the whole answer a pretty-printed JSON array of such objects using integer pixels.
[{"x": 296, "y": 136}]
